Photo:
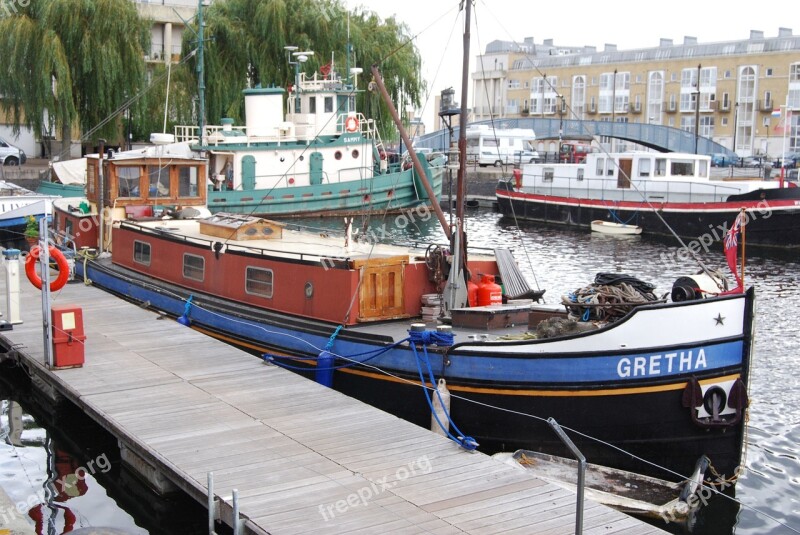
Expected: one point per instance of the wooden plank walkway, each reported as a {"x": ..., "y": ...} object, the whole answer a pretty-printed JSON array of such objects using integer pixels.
[{"x": 304, "y": 458}]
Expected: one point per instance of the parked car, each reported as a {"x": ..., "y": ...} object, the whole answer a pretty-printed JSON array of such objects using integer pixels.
[
  {"x": 10, "y": 154},
  {"x": 754, "y": 161},
  {"x": 791, "y": 158},
  {"x": 723, "y": 160}
]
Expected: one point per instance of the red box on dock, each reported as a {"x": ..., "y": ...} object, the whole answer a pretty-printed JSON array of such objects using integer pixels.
[{"x": 68, "y": 337}]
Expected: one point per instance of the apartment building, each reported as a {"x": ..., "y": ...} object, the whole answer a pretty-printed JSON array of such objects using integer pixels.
[
  {"x": 736, "y": 93},
  {"x": 166, "y": 32}
]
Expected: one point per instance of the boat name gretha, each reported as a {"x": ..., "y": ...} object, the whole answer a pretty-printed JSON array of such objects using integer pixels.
[{"x": 677, "y": 362}]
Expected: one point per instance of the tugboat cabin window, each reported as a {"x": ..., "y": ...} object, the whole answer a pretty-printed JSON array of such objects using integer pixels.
[
  {"x": 141, "y": 252},
  {"x": 312, "y": 104},
  {"x": 258, "y": 281},
  {"x": 187, "y": 181},
  {"x": 194, "y": 267},
  {"x": 548, "y": 174},
  {"x": 328, "y": 104},
  {"x": 128, "y": 181},
  {"x": 661, "y": 167}
]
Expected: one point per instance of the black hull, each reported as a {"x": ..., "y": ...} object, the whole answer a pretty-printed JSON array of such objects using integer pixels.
[{"x": 768, "y": 226}]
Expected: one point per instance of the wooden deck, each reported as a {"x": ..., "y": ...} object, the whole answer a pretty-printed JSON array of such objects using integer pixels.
[{"x": 304, "y": 458}]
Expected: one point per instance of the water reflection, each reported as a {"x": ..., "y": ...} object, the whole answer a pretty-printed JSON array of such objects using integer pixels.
[{"x": 62, "y": 472}]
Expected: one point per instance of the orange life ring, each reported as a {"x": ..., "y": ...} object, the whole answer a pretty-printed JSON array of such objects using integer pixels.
[
  {"x": 351, "y": 124},
  {"x": 61, "y": 262}
]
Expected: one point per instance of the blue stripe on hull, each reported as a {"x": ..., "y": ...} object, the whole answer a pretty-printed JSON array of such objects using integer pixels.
[{"x": 555, "y": 371}]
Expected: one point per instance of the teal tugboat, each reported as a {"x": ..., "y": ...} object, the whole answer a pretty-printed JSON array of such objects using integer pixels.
[{"x": 319, "y": 158}]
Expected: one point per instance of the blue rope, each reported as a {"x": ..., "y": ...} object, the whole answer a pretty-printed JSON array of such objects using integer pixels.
[
  {"x": 425, "y": 338},
  {"x": 615, "y": 216},
  {"x": 377, "y": 352},
  {"x": 329, "y": 345}
]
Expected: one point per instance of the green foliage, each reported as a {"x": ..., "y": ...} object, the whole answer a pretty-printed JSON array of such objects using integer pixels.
[
  {"x": 70, "y": 60},
  {"x": 246, "y": 48},
  {"x": 31, "y": 227}
]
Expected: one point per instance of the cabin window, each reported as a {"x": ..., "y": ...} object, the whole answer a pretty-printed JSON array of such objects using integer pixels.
[
  {"x": 328, "y": 104},
  {"x": 187, "y": 181},
  {"x": 258, "y": 281},
  {"x": 194, "y": 267},
  {"x": 547, "y": 174},
  {"x": 158, "y": 180},
  {"x": 580, "y": 175},
  {"x": 703, "y": 168},
  {"x": 661, "y": 167},
  {"x": 141, "y": 252},
  {"x": 644, "y": 167},
  {"x": 601, "y": 164},
  {"x": 128, "y": 182},
  {"x": 312, "y": 104},
  {"x": 610, "y": 167},
  {"x": 68, "y": 228},
  {"x": 682, "y": 168},
  {"x": 352, "y": 103}
]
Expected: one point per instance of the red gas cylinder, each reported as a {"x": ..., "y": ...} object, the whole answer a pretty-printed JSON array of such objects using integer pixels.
[
  {"x": 489, "y": 292},
  {"x": 472, "y": 293}
]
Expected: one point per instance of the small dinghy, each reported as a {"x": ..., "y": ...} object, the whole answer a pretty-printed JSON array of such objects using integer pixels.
[
  {"x": 619, "y": 229},
  {"x": 625, "y": 491}
]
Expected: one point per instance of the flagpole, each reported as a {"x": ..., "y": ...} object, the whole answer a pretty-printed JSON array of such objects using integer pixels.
[
  {"x": 743, "y": 227},
  {"x": 785, "y": 120}
]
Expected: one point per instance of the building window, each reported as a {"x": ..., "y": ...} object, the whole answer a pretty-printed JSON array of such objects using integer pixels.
[
  {"x": 724, "y": 121},
  {"x": 707, "y": 126},
  {"x": 794, "y": 72},
  {"x": 769, "y": 71},
  {"x": 194, "y": 267},
  {"x": 141, "y": 252},
  {"x": 258, "y": 281}
]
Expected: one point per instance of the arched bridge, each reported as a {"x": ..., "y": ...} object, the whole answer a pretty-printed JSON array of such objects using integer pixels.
[{"x": 657, "y": 137}]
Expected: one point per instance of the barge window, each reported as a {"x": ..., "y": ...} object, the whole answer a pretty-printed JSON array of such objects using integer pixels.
[
  {"x": 258, "y": 281},
  {"x": 601, "y": 164},
  {"x": 141, "y": 252},
  {"x": 644, "y": 167},
  {"x": 128, "y": 182},
  {"x": 187, "y": 181},
  {"x": 158, "y": 180},
  {"x": 682, "y": 168},
  {"x": 661, "y": 167},
  {"x": 194, "y": 267},
  {"x": 580, "y": 175},
  {"x": 547, "y": 175}
]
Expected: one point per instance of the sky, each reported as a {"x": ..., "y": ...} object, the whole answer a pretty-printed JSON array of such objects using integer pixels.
[{"x": 438, "y": 27}]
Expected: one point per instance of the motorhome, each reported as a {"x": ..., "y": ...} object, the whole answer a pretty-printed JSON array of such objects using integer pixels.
[{"x": 496, "y": 146}]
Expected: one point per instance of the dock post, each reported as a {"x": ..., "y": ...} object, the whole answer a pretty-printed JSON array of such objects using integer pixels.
[
  {"x": 236, "y": 525},
  {"x": 212, "y": 509},
  {"x": 581, "y": 472}
]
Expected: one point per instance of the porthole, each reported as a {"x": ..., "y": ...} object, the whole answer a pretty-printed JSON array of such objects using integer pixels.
[
  {"x": 337, "y": 155},
  {"x": 355, "y": 153}
]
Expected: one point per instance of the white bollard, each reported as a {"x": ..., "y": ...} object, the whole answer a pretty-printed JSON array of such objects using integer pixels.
[{"x": 441, "y": 411}]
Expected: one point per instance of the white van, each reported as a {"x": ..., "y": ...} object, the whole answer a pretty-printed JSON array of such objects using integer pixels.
[
  {"x": 11, "y": 155},
  {"x": 488, "y": 146}
]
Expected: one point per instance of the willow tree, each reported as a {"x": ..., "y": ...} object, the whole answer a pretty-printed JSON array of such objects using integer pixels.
[
  {"x": 246, "y": 40},
  {"x": 68, "y": 62}
]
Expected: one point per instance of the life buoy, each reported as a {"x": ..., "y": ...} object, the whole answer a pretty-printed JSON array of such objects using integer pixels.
[
  {"x": 351, "y": 124},
  {"x": 63, "y": 268}
]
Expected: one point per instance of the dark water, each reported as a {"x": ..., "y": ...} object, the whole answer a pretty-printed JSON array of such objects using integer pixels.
[{"x": 559, "y": 260}]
